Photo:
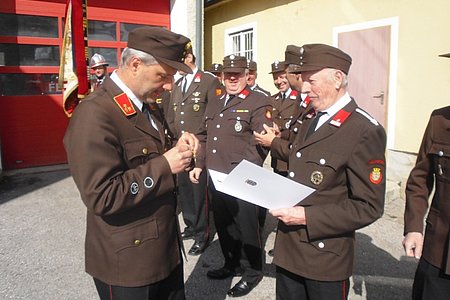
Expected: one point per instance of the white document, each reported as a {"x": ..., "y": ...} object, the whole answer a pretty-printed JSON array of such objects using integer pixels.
[{"x": 260, "y": 186}]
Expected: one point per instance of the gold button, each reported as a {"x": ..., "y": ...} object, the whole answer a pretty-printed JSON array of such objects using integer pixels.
[
  {"x": 145, "y": 151},
  {"x": 137, "y": 242}
]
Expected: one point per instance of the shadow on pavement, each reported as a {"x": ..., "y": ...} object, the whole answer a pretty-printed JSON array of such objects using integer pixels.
[
  {"x": 13, "y": 185},
  {"x": 379, "y": 273}
]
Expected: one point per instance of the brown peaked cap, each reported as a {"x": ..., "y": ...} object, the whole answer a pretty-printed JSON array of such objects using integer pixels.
[
  {"x": 164, "y": 45},
  {"x": 313, "y": 57},
  {"x": 233, "y": 63}
]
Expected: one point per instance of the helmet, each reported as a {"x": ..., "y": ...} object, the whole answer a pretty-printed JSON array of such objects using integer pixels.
[{"x": 98, "y": 60}]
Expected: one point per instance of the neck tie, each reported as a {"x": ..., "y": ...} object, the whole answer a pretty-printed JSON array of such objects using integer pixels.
[
  {"x": 147, "y": 113},
  {"x": 228, "y": 99},
  {"x": 283, "y": 96},
  {"x": 314, "y": 122},
  {"x": 184, "y": 85}
]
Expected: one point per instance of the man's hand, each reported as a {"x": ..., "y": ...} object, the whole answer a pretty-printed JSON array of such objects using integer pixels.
[
  {"x": 179, "y": 157},
  {"x": 290, "y": 216},
  {"x": 266, "y": 136},
  {"x": 190, "y": 140},
  {"x": 194, "y": 175},
  {"x": 413, "y": 244}
]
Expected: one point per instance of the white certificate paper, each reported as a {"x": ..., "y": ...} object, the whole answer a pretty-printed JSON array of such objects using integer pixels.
[{"x": 260, "y": 186}]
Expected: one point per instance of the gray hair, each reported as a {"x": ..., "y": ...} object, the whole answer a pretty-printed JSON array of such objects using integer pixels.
[{"x": 129, "y": 53}]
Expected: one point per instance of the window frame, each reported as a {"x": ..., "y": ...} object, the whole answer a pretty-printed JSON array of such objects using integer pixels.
[{"x": 229, "y": 33}]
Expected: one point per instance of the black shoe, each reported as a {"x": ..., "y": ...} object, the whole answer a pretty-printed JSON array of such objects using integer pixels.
[
  {"x": 242, "y": 288},
  {"x": 198, "y": 248},
  {"x": 186, "y": 235},
  {"x": 270, "y": 253},
  {"x": 222, "y": 273}
]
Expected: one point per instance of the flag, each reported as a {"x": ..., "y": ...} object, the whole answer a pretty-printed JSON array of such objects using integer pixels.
[{"x": 74, "y": 65}]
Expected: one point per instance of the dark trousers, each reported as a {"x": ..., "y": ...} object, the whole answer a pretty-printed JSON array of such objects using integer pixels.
[
  {"x": 430, "y": 283},
  {"x": 237, "y": 226},
  {"x": 170, "y": 288},
  {"x": 293, "y": 286},
  {"x": 194, "y": 205}
]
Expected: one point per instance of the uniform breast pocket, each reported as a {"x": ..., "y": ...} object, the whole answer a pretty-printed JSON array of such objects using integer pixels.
[
  {"x": 440, "y": 154},
  {"x": 323, "y": 167},
  {"x": 138, "y": 151}
]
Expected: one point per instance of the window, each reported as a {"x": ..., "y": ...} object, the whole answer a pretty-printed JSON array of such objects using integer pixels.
[
  {"x": 24, "y": 25},
  {"x": 241, "y": 41}
]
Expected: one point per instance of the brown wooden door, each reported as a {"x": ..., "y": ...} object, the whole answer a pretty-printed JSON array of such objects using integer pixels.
[{"x": 369, "y": 73}]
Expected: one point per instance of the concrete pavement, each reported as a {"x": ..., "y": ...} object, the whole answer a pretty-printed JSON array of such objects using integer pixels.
[{"x": 42, "y": 226}]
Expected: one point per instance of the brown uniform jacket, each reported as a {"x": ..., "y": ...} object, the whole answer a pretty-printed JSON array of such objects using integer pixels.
[
  {"x": 127, "y": 187},
  {"x": 344, "y": 161},
  {"x": 185, "y": 112},
  {"x": 432, "y": 168},
  {"x": 226, "y": 133},
  {"x": 283, "y": 111}
]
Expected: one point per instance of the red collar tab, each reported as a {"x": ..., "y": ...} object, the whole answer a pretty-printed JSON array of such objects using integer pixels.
[
  {"x": 244, "y": 94},
  {"x": 198, "y": 77},
  {"x": 306, "y": 102},
  {"x": 293, "y": 95},
  {"x": 311, "y": 113},
  {"x": 125, "y": 104},
  {"x": 340, "y": 118}
]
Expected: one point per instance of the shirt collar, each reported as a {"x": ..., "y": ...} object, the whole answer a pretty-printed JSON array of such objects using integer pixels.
[
  {"x": 340, "y": 104},
  {"x": 114, "y": 77}
]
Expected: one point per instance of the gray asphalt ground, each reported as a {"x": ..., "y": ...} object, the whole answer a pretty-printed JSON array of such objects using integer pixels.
[{"x": 42, "y": 226}]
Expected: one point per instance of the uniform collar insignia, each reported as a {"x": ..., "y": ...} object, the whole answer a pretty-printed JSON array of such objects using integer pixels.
[
  {"x": 293, "y": 95},
  {"x": 306, "y": 102},
  {"x": 198, "y": 77},
  {"x": 340, "y": 118},
  {"x": 244, "y": 94},
  {"x": 125, "y": 104}
]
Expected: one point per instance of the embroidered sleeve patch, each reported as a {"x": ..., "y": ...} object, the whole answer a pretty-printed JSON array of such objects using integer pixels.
[{"x": 376, "y": 176}]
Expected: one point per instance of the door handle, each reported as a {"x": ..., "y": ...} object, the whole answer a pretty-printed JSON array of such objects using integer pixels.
[{"x": 381, "y": 97}]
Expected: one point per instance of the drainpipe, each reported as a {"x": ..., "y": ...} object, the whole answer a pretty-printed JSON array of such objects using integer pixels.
[{"x": 199, "y": 33}]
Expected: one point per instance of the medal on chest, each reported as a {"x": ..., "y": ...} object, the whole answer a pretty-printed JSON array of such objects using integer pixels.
[{"x": 238, "y": 125}]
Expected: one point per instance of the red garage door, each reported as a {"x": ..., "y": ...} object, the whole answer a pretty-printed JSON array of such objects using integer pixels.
[{"x": 32, "y": 122}]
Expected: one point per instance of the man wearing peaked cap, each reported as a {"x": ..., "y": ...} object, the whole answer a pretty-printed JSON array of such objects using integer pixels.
[
  {"x": 338, "y": 151},
  {"x": 431, "y": 172},
  {"x": 217, "y": 70},
  {"x": 118, "y": 157},
  {"x": 252, "y": 67},
  {"x": 226, "y": 137},
  {"x": 189, "y": 99}
]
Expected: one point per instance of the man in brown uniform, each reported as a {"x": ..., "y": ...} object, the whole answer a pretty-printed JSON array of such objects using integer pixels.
[
  {"x": 185, "y": 114},
  {"x": 115, "y": 149},
  {"x": 339, "y": 151},
  {"x": 217, "y": 70},
  {"x": 252, "y": 67},
  {"x": 286, "y": 104},
  {"x": 432, "y": 169},
  {"x": 227, "y": 138}
]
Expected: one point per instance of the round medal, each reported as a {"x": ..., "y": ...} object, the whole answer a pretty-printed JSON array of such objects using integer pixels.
[
  {"x": 196, "y": 107},
  {"x": 238, "y": 126},
  {"x": 316, "y": 177}
]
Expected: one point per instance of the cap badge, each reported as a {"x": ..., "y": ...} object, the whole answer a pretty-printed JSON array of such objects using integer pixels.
[{"x": 316, "y": 177}]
